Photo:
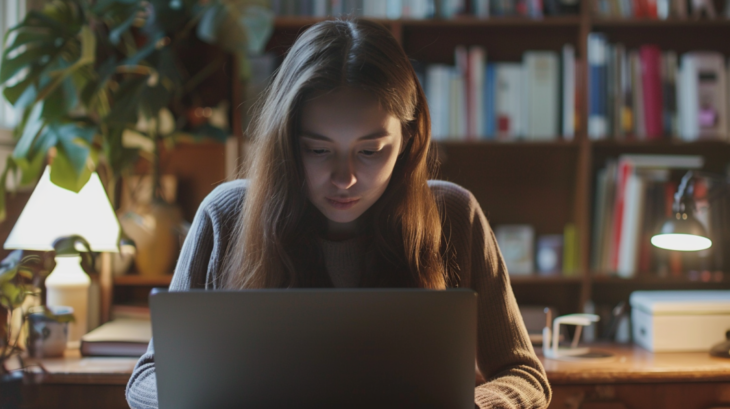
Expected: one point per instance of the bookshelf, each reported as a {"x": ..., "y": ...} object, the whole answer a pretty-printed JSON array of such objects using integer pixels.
[{"x": 548, "y": 184}]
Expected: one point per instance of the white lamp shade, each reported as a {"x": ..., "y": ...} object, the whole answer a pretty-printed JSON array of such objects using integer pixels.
[{"x": 54, "y": 212}]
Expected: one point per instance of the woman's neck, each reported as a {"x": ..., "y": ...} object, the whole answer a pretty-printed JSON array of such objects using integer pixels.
[{"x": 341, "y": 231}]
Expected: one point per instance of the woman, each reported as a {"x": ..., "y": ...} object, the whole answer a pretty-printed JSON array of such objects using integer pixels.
[{"x": 338, "y": 196}]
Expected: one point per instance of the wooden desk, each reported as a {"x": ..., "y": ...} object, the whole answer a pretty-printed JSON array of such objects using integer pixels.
[
  {"x": 77, "y": 382},
  {"x": 640, "y": 379},
  {"x": 636, "y": 379}
]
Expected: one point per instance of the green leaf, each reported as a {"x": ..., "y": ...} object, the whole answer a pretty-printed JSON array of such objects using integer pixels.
[
  {"x": 126, "y": 101},
  {"x": 10, "y": 166},
  {"x": 28, "y": 35},
  {"x": 88, "y": 46},
  {"x": 33, "y": 125},
  {"x": 10, "y": 67},
  {"x": 11, "y": 293},
  {"x": 104, "y": 73},
  {"x": 63, "y": 173},
  {"x": 70, "y": 168},
  {"x": 24, "y": 91}
]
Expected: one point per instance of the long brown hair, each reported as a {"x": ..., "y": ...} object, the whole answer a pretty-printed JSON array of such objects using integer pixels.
[{"x": 273, "y": 244}]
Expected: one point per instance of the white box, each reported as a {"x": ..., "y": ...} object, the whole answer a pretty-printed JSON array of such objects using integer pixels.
[{"x": 679, "y": 320}]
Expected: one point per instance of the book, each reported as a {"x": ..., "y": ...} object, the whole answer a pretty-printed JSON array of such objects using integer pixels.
[
  {"x": 516, "y": 243},
  {"x": 490, "y": 110},
  {"x": 651, "y": 82},
  {"x": 475, "y": 92},
  {"x": 568, "y": 95},
  {"x": 120, "y": 337},
  {"x": 704, "y": 96},
  {"x": 508, "y": 100},
  {"x": 541, "y": 79},
  {"x": 597, "y": 121}
]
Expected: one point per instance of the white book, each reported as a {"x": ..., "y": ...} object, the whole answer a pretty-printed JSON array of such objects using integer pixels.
[
  {"x": 508, "y": 100},
  {"x": 437, "y": 99},
  {"x": 394, "y": 9},
  {"x": 481, "y": 8},
  {"x": 541, "y": 94},
  {"x": 319, "y": 8},
  {"x": 516, "y": 243},
  {"x": 568, "y": 92},
  {"x": 704, "y": 96},
  {"x": 628, "y": 255}
]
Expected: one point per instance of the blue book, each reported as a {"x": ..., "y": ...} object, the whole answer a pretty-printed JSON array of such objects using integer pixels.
[
  {"x": 490, "y": 110},
  {"x": 597, "y": 86}
]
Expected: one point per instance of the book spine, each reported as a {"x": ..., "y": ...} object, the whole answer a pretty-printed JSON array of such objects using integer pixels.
[
  {"x": 652, "y": 90},
  {"x": 568, "y": 92},
  {"x": 625, "y": 170},
  {"x": 597, "y": 122},
  {"x": 489, "y": 102}
]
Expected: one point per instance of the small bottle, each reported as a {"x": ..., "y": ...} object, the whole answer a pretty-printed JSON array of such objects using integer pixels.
[{"x": 68, "y": 285}]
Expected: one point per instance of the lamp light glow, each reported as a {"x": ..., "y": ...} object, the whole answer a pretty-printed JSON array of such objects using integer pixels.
[
  {"x": 53, "y": 212},
  {"x": 681, "y": 242}
]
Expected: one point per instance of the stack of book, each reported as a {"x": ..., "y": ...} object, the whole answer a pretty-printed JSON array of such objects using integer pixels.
[
  {"x": 533, "y": 100},
  {"x": 650, "y": 94},
  {"x": 424, "y": 9},
  {"x": 634, "y": 196}
]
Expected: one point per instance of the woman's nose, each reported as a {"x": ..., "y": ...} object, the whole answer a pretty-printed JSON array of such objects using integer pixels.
[{"x": 343, "y": 176}]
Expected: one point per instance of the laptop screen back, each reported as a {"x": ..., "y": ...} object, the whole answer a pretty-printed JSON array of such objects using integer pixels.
[{"x": 315, "y": 348}]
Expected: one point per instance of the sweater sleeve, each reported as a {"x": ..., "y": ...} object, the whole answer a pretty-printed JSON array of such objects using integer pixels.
[
  {"x": 199, "y": 260},
  {"x": 514, "y": 375}
]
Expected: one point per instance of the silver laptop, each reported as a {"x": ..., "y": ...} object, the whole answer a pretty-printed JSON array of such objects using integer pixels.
[{"x": 375, "y": 348}]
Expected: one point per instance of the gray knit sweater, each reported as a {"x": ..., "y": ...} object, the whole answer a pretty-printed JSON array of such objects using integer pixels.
[{"x": 514, "y": 376}]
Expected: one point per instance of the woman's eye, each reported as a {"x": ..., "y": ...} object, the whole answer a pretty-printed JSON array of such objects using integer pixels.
[
  {"x": 317, "y": 151},
  {"x": 368, "y": 152}
]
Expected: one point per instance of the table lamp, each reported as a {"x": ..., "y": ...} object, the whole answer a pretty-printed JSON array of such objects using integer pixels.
[
  {"x": 682, "y": 231},
  {"x": 53, "y": 212}
]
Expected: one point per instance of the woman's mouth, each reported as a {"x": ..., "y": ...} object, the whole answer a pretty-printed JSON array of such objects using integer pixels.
[{"x": 342, "y": 203}]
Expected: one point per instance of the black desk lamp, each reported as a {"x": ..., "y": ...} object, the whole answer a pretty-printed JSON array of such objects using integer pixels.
[{"x": 683, "y": 232}]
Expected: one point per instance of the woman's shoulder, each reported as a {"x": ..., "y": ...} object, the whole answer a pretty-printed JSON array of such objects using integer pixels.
[
  {"x": 458, "y": 205},
  {"x": 225, "y": 198},
  {"x": 451, "y": 194}
]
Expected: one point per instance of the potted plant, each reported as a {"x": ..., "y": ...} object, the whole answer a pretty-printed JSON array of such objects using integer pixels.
[
  {"x": 102, "y": 83},
  {"x": 17, "y": 281}
]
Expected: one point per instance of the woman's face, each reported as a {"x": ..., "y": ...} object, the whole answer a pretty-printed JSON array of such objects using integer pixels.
[{"x": 349, "y": 147}]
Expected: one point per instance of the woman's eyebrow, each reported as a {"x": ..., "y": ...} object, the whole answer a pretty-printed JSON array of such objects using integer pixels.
[{"x": 374, "y": 135}]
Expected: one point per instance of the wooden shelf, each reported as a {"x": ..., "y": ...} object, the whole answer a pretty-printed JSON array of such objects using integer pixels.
[
  {"x": 534, "y": 279},
  {"x": 657, "y": 281},
  {"x": 656, "y": 23},
  {"x": 709, "y": 143},
  {"x": 290, "y": 22},
  {"x": 518, "y": 143},
  {"x": 138, "y": 280}
]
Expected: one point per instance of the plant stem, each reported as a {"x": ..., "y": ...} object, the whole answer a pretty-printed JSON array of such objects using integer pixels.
[{"x": 156, "y": 188}]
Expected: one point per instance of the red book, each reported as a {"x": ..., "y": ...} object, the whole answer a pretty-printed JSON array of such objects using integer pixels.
[
  {"x": 651, "y": 79},
  {"x": 625, "y": 168}
]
